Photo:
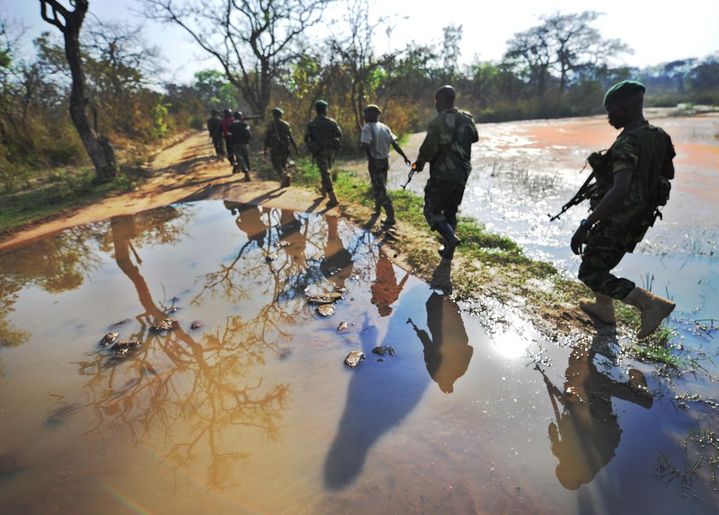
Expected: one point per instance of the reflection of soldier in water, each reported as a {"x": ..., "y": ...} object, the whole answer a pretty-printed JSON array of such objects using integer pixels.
[
  {"x": 337, "y": 264},
  {"x": 447, "y": 353},
  {"x": 290, "y": 231},
  {"x": 587, "y": 432},
  {"x": 249, "y": 221},
  {"x": 385, "y": 290}
]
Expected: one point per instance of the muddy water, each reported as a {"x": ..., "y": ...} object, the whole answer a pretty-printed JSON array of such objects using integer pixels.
[{"x": 255, "y": 412}]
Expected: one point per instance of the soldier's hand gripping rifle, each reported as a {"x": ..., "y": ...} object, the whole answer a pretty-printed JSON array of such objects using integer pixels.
[
  {"x": 412, "y": 171},
  {"x": 595, "y": 160}
]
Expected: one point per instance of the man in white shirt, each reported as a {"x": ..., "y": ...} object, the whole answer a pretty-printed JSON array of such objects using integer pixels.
[{"x": 376, "y": 139}]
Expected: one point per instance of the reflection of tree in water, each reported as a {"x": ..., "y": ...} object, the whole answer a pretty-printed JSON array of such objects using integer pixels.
[
  {"x": 190, "y": 391},
  {"x": 447, "y": 352},
  {"x": 55, "y": 265},
  {"x": 587, "y": 432}
]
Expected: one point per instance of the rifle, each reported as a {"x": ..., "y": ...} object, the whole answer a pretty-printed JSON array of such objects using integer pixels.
[
  {"x": 412, "y": 171},
  {"x": 588, "y": 189}
]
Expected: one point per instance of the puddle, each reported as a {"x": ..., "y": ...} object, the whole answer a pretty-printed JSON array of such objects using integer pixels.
[{"x": 246, "y": 405}]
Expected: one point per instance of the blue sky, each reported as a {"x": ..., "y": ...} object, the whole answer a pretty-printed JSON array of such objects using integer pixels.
[{"x": 657, "y": 31}]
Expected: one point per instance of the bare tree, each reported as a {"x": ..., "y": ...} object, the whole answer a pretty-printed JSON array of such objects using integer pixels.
[
  {"x": 253, "y": 40},
  {"x": 531, "y": 52},
  {"x": 69, "y": 22},
  {"x": 577, "y": 45}
]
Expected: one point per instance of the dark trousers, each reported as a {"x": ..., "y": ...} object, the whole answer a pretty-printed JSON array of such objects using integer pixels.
[
  {"x": 324, "y": 160},
  {"x": 218, "y": 144},
  {"x": 279, "y": 156},
  {"x": 378, "y": 169},
  {"x": 441, "y": 201},
  {"x": 229, "y": 145},
  {"x": 242, "y": 156},
  {"x": 606, "y": 245}
]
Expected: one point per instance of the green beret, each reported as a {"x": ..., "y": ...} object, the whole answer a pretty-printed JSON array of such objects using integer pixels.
[
  {"x": 623, "y": 89},
  {"x": 321, "y": 104},
  {"x": 373, "y": 107},
  {"x": 277, "y": 110}
]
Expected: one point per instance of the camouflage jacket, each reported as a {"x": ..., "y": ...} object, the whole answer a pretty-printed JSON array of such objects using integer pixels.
[
  {"x": 323, "y": 134},
  {"x": 448, "y": 146},
  {"x": 278, "y": 135},
  {"x": 648, "y": 151}
]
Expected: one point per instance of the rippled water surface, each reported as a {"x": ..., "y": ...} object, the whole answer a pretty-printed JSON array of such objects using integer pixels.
[{"x": 254, "y": 411}]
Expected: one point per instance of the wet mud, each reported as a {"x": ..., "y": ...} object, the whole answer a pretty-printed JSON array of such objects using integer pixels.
[{"x": 253, "y": 409}]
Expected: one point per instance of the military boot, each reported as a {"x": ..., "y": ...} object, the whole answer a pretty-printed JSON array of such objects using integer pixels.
[
  {"x": 247, "y": 177},
  {"x": 602, "y": 308},
  {"x": 450, "y": 240},
  {"x": 653, "y": 308},
  {"x": 332, "y": 202}
]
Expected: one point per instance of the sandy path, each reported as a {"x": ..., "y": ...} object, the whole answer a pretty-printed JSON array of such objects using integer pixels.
[{"x": 184, "y": 171}]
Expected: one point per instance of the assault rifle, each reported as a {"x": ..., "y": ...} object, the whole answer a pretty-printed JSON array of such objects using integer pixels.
[
  {"x": 588, "y": 189},
  {"x": 412, "y": 171}
]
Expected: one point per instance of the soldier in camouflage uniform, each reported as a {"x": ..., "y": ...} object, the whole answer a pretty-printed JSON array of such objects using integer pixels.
[
  {"x": 447, "y": 147},
  {"x": 278, "y": 138},
  {"x": 632, "y": 181},
  {"x": 323, "y": 139}
]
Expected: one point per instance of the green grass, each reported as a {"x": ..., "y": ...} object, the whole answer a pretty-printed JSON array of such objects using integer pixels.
[{"x": 61, "y": 189}]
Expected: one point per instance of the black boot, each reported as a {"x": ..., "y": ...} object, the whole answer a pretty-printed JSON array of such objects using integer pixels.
[{"x": 450, "y": 239}]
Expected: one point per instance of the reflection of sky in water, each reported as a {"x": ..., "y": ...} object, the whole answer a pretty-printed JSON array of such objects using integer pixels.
[{"x": 517, "y": 180}]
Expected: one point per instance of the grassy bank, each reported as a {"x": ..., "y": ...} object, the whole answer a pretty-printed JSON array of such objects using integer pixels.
[
  {"x": 59, "y": 189},
  {"x": 488, "y": 265}
]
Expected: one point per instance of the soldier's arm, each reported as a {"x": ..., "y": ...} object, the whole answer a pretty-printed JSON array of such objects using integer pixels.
[
  {"x": 399, "y": 150},
  {"x": 338, "y": 131},
  {"x": 292, "y": 140}
]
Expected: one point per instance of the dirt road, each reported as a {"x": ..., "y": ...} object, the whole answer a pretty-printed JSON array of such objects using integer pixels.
[{"x": 185, "y": 171}]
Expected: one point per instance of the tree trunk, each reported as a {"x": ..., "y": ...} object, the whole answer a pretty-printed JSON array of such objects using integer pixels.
[{"x": 98, "y": 148}]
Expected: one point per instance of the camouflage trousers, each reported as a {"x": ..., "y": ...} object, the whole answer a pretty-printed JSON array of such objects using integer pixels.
[
  {"x": 279, "y": 156},
  {"x": 378, "y": 169},
  {"x": 324, "y": 160},
  {"x": 606, "y": 245},
  {"x": 441, "y": 201}
]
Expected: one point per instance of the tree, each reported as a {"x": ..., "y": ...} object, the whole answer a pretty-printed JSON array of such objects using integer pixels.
[
  {"x": 531, "y": 54},
  {"x": 69, "y": 22},
  {"x": 575, "y": 44},
  {"x": 450, "y": 51},
  {"x": 253, "y": 40}
]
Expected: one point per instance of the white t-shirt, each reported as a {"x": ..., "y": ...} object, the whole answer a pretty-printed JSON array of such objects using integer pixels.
[{"x": 379, "y": 137}]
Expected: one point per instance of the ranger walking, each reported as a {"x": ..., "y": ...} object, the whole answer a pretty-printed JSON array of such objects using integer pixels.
[
  {"x": 632, "y": 181},
  {"x": 278, "y": 138},
  {"x": 376, "y": 139},
  {"x": 448, "y": 148},
  {"x": 241, "y": 135},
  {"x": 214, "y": 128},
  {"x": 323, "y": 138}
]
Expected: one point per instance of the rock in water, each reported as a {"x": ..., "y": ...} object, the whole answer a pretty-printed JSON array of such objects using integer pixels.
[
  {"x": 325, "y": 298},
  {"x": 162, "y": 326},
  {"x": 354, "y": 358},
  {"x": 342, "y": 327},
  {"x": 326, "y": 310},
  {"x": 126, "y": 344},
  {"x": 384, "y": 350},
  {"x": 109, "y": 339},
  {"x": 196, "y": 324}
]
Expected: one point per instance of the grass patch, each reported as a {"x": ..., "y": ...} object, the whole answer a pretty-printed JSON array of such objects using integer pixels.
[{"x": 61, "y": 189}]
